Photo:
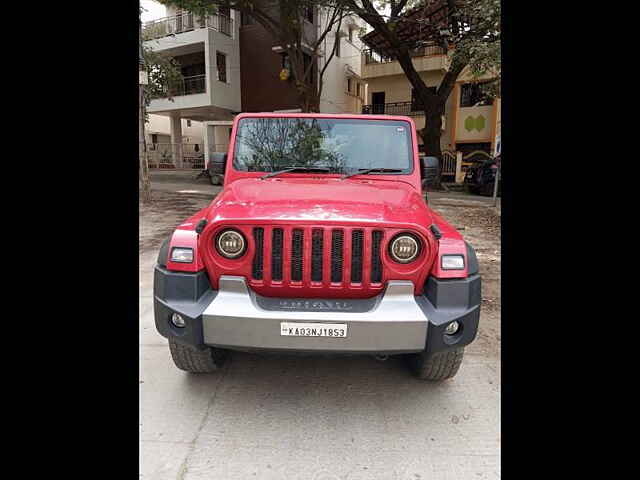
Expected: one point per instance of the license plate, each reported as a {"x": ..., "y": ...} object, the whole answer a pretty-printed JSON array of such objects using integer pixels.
[{"x": 332, "y": 330}]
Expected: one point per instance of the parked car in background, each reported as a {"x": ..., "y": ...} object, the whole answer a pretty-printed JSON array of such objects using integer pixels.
[{"x": 480, "y": 179}]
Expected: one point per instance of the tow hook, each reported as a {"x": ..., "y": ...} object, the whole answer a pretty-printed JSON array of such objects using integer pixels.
[{"x": 381, "y": 358}]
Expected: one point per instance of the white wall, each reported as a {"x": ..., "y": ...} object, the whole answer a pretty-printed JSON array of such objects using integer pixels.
[
  {"x": 160, "y": 125},
  {"x": 335, "y": 98},
  {"x": 225, "y": 94}
]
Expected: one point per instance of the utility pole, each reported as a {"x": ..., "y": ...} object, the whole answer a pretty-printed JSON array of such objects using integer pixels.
[
  {"x": 495, "y": 186},
  {"x": 142, "y": 150}
]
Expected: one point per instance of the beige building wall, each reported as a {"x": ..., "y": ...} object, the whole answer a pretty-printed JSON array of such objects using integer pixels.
[
  {"x": 161, "y": 126},
  {"x": 457, "y": 126},
  {"x": 398, "y": 89},
  {"x": 475, "y": 124}
]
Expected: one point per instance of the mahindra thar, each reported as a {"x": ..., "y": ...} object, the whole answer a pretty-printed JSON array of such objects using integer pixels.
[{"x": 320, "y": 242}]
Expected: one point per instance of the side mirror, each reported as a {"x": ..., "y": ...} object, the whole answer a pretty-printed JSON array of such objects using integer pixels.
[
  {"x": 217, "y": 163},
  {"x": 428, "y": 169}
]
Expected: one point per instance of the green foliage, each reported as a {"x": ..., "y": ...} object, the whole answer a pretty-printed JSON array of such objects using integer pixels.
[
  {"x": 480, "y": 46},
  {"x": 163, "y": 71}
]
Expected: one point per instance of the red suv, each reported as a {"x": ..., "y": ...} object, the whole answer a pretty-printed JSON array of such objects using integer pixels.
[{"x": 319, "y": 242}]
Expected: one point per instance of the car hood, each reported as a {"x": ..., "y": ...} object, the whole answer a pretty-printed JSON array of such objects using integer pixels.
[{"x": 316, "y": 200}]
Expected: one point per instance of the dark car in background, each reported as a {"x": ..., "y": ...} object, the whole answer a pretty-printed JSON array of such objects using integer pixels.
[{"x": 480, "y": 179}]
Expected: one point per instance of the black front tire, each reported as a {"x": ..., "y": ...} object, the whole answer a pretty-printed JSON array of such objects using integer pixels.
[
  {"x": 436, "y": 366},
  {"x": 192, "y": 360}
]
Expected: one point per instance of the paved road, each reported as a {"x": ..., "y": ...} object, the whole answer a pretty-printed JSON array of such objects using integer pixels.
[{"x": 312, "y": 418}]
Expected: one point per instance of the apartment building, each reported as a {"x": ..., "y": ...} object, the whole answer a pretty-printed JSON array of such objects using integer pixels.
[
  {"x": 471, "y": 121},
  {"x": 230, "y": 64}
]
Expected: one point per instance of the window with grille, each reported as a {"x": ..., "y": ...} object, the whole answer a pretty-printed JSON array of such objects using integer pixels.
[
  {"x": 471, "y": 95},
  {"x": 221, "y": 61}
]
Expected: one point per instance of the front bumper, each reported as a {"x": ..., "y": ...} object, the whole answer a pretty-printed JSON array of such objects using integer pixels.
[{"x": 396, "y": 321}]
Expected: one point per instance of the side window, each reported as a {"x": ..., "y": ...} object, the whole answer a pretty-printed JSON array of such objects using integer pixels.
[
  {"x": 471, "y": 95},
  {"x": 349, "y": 85},
  {"x": 358, "y": 89},
  {"x": 221, "y": 62}
]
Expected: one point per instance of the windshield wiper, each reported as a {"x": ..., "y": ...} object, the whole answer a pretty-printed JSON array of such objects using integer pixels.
[
  {"x": 295, "y": 169},
  {"x": 364, "y": 171}
]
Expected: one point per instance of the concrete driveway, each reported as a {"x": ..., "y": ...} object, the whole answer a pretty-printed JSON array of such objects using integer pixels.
[{"x": 312, "y": 418}]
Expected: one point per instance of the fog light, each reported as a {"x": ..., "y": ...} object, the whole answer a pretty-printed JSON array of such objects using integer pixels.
[
  {"x": 452, "y": 328},
  {"x": 177, "y": 320}
]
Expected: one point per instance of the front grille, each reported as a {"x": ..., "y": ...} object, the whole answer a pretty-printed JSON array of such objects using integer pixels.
[
  {"x": 316, "y": 255},
  {"x": 276, "y": 254},
  {"x": 357, "y": 240},
  {"x": 257, "y": 267},
  {"x": 322, "y": 255},
  {"x": 376, "y": 262},
  {"x": 336, "y": 255},
  {"x": 296, "y": 256}
]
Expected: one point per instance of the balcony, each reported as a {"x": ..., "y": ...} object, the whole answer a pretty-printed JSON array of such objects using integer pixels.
[
  {"x": 187, "y": 86},
  {"x": 186, "y": 22},
  {"x": 397, "y": 108},
  {"x": 426, "y": 58}
]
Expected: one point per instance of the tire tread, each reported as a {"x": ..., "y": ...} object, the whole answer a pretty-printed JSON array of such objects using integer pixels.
[
  {"x": 195, "y": 361},
  {"x": 438, "y": 366}
]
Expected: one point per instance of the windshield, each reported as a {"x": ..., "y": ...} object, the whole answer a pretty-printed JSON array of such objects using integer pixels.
[{"x": 341, "y": 145}]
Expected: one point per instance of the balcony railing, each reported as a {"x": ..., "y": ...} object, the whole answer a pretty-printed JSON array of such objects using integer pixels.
[
  {"x": 187, "y": 86},
  {"x": 371, "y": 56},
  {"x": 186, "y": 22},
  {"x": 395, "y": 108}
]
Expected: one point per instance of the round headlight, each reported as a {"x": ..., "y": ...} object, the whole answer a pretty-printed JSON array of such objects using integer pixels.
[
  {"x": 404, "y": 248},
  {"x": 230, "y": 244}
]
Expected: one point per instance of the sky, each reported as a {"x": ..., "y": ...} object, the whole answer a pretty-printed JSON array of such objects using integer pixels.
[{"x": 152, "y": 10}]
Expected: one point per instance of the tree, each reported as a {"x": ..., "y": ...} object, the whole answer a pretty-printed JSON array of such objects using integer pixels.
[
  {"x": 161, "y": 71},
  {"x": 468, "y": 29},
  {"x": 284, "y": 20}
]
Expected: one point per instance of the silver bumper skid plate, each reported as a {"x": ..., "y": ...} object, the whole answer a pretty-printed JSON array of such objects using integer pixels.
[{"x": 393, "y": 323}]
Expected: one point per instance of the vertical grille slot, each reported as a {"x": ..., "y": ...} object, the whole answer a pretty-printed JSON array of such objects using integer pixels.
[
  {"x": 336, "y": 255},
  {"x": 376, "y": 262},
  {"x": 276, "y": 254},
  {"x": 296, "y": 256},
  {"x": 258, "y": 259},
  {"x": 357, "y": 246},
  {"x": 316, "y": 255}
]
